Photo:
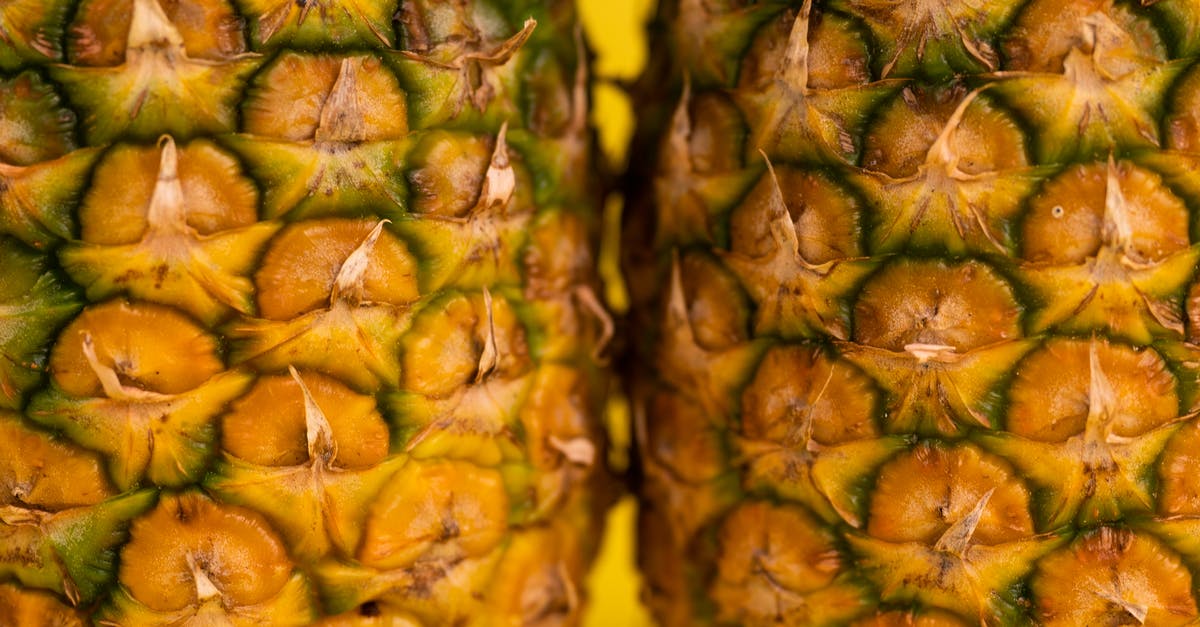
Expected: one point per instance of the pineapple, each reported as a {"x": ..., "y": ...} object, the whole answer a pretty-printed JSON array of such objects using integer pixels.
[
  {"x": 915, "y": 288},
  {"x": 298, "y": 317}
]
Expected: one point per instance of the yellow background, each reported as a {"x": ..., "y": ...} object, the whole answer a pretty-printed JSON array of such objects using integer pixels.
[{"x": 615, "y": 31}]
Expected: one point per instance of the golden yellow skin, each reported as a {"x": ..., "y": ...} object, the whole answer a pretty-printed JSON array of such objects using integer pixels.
[
  {"x": 298, "y": 313},
  {"x": 915, "y": 312}
]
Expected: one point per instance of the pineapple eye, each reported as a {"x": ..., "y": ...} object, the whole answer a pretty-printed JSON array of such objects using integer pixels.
[
  {"x": 436, "y": 511},
  {"x": 960, "y": 305},
  {"x": 943, "y": 484},
  {"x": 1067, "y": 217},
  {"x": 1063, "y": 587},
  {"x": 147, "y": 346},
  {"x": 1064, "y": 386},
  {"x": 230, "y": 554},
  {"x": 267, "y": 425},
  {"x": 301, "y": 266}
]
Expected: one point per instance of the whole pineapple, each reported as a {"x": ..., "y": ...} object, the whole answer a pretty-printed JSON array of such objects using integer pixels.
[
  {"x": 917, "y": 286},
  {"x": 297, "y": 313}
]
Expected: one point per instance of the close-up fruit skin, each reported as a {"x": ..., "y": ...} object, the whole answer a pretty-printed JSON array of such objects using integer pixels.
[
  {"x": 915, "y": 315},
  {"x": 299, "y": 315}
]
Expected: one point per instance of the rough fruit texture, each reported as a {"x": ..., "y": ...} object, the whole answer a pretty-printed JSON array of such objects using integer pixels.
[
  {"x": 916, "y": 312},
  {"x": 298, "y": 314}
]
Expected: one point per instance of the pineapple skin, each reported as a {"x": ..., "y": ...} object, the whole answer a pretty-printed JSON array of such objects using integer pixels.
[
  {"x": 915, "y": 312},
  {"x": 298, "y": 313}
]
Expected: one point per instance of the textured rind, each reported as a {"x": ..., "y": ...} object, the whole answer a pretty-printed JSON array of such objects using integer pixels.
[
  {"x": 459, "y": 131},
  {"x": 867, "y": 237}
]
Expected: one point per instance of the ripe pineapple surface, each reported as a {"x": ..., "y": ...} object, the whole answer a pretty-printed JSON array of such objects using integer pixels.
[
  {"x": 298, "y": 318},
  {"x": 916, "y": 288}
]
